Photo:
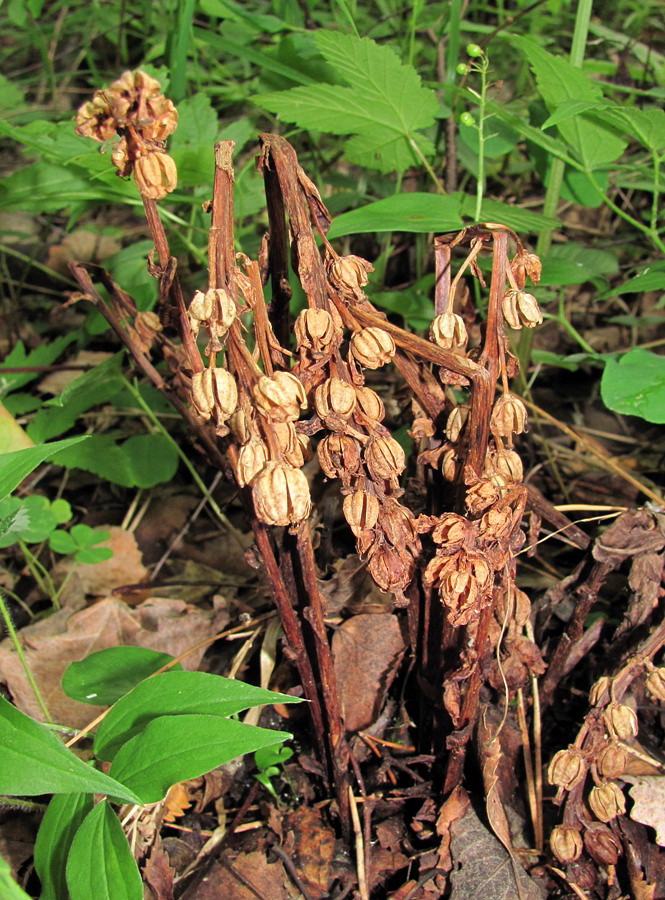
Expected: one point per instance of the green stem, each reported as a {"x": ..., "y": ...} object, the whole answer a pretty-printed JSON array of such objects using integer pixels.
[
  {"x": 13, "y": 637},
  {"x": 40, "y": 574},
  {"x": 480, "y": 185},
  {"x": 430, "y": 171}
]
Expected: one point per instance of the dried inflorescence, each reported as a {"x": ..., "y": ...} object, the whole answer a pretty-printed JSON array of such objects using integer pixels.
[{"x": 134, "y": 108}]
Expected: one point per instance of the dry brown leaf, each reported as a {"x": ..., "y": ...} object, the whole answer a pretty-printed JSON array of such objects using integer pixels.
[
  {"x": 367, "y": 650},
  {"x": 648, "y": 792},
  {"x": 158, "y": 874},
  {"x": 12, "y": 436},
  {"x": 313, "y": 845},
  {"x": 81, "y": 246},
  {"x": 453, "y": 808},
  {"x": 169, "y": 626},
  {"x": 176, "y": 802},
  {"x": 233, "y": 880}
]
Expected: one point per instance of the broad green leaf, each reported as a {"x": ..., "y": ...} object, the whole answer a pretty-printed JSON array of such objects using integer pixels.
[
  {"x": 173, "y": 694},
  {"x": 18, "y": 358},
  {"x": 558, "y": 81},
  {"x": 141, "y": 461},
  {"x": 129, "y": 268},
  {"x": 573, "y": 263},
  {"x": 107, "y": 675},
  {"x": 514, "y": 217},
  {"x": 61, "y": 821},
  {"x": 414, "y": 212},
  {"x": 572, "y": 362},
  {"x": 569, "y": 108},
  {"x": 644, "y": 125},
  {"x": 500, "y": 138},
  {"x": 385, "y": 104},
  {"x": 11, "y": 95},
  {"x": 14, "y": 467},
  {"x": 33, "y": 761},
  {"x": 652, "y": 278},
  {"x": 100, "y": 865},
  {"x": 171, "y": 749},
  {"x": 9, "y": 890},
  {"x": 634, "y": 385}
]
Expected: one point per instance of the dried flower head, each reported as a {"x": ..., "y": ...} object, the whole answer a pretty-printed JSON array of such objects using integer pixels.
[
  {"x": 520, "y": 308},
  {"x": 155, "y": 174},
  {"x": 607, "y": 801},
  {"x": 524, "y": 265},
  {"x": 567, "y": 768},
  {"x": 456, "y": 421},
  {"x": 339, "y": 456},
  {"x": 372, "y": 347},
  {"x": 316, "y": 330},
  {"x": 281, "y": 495},
  {"x": 279, "y": 397},
  {"x": 453, "y": 532},
  {"x": 361, "y": 511},
  {"x": 508, "y": 417},
  {"x": 349, "y": 275},
  {"x": 465, "y": 586},
  {"x": 448, "y": 331},
  {"x": 566, "y": 843},
  {"x": 390, "y": 568},
  {"x": 252, "y": 458}
]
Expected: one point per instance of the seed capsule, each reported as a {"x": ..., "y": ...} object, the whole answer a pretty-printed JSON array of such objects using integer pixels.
[
  {"x": 525, "y": 264},
  {"x": 335, "y": 399},
  {"x": 520, "y": 308},
  {"x": 612, "y": 761},
  {"x": 599, "y": 691},
  {"x": 508, "y": 417},
  {"x": 566, "y": 843},
  {"x": 372, "y": 347},
  {"x": 315, "y": 330},
  {"x": 656, "y": 683},
  {"x": 289, "y": 444},
  {"x": 361, "y": 511},
  {"x": 252, "y": 458},
  {"x": 601, "y": 845},
  {"x": 281, "y": 495},
  {"x": 155, "y": 175},
  {"x": 607, "y": 801},
  {"x": 456, "y": 421},
  {"x": 370, "y": 404},
  {"x": 349, "y": 275},
  {"x": 201, "y": 306},
  {"x": 620, "y": 721},
  {"x": 448, "y": 331},
  {"x": 384, "y": 458},
  {"x": 567, "y": 768},
  {"x": 279, "y": 397},
  {"x": 339, "y": 456}
]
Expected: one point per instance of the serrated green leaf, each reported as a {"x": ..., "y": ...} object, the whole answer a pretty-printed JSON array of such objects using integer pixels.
[
  {"x": 33, "y": 761},
  {"x": 61, "y": 821},
  {"x": 171, "y": 749},
  {"x": 100, "y": 863},
  {"x": 104, "y": 677},
  {"x": 385, "y": 104},
  {"x": 414, "y": 212},
  {"x": 573, "y": 263},
  {"x": 634, "y": 385},
  {"x": 173, "y": 694},
  {"x": 569, "y": 108},
  {"x": 140, "y": 461},
  {"x": 14, "y": 467},
  {"x": 18, "y": 358},
  {"x": 644, "y": 125},
  {"x": 558, "y": 81},
  {"x": 652, "y": 278}
]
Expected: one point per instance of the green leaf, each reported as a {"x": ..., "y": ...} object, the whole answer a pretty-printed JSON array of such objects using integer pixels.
[
  {"x": 171, "y": 749},
  {"x": 61, "y": 821},
  {"x": 62, "y": 542},
  {"x": 11, "y": 95},
  {"x": 505, "y": 214},
  {"x": 17, "y": 358},
  {"x": 572, "y": 362},
  {"x": 573, "y": 263},
  {"x": 141, "y": 461},
  {"x": 569, "y": 108},
  {"x": 558, "y": 81},
  {"x": 634, "y": 385},
  {"x": 14, "y": 467},
  {"x": 104, "y": 677},
  {"x": 9, "y": 890},
  {"x": 39, "y": 520},
  {"x": 652, "y": 278},
  {"x": 385, "y": 104},
  {"x": 129, "y": 268},
  {"x": 173, "y": 694},
  {"x": 644, "y": 125},
  {"x": 100, "y": 863},
  {"x": 33, "y": 761},
  {"x": 414, "y": 212}
]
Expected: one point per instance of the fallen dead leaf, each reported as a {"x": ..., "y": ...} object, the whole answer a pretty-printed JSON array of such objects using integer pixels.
[
  {"x": 648, "y": 792},
  {"x": 244, "y": 877},
  {"x": 169, "y": 626},
  {"x": 367, "y": 650},
  {"x": 312, "y": 845},
  {"x": 81, "y": 246},
  {"x": 158, "y": 874}
]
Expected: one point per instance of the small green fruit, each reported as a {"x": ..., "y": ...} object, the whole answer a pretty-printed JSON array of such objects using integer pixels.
[
  {"x": 474, "y": 50},
  {"x": 462, "y": 69},
  {"x": 467, "y": 119}
]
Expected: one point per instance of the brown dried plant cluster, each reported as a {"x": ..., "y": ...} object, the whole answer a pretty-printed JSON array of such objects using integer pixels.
[{"x": 253, "y": 401}]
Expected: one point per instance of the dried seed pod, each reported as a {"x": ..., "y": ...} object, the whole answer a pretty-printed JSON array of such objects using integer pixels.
[
  {"x": 224, "y": 310},
  {"x": 448, "y": 331},
  {"x": 281, "y": 495},
  {"x": 522, "y": 607},
  {"x": 456, "y": 421},
  {"x": 508, "y": 465},
  {"x": 496, "y": 525},
  {"x": 242, "y": 425},
  {"x": 370, "y": 404},
  {"x": 279, "y": 397},
  {"x": 391, "y": 569},
  {"x": 202, "y": 396},
  {"x": 252, "y": 458},
  {"x": 398, "y": 524},
  {"x": 214, "y": 391},
  {"x": 453, "y": 532},
  {"x": 601, "y": 844},
  {"x": 480, "y": 496},
  {"x": 335, "y": 399},
  {"x": 315, "y": 330},
  {"x": 146, "y": 327},
  {"x": 339, "y": 456},
  {"x": 508, "y": 417},
  {"x": 525, "y": 264},
  {"x": 465, "y": 586},
  {"x": 201, "y": 307},
  {"x": 612, "y": 760},
  {"x": 287, "y": 439},
  {"x": 449, "y": 465},
  {"x": 361, "y": 511},
  {"x": 599, "y": 691},
  {"x": 155, "y": 175},
  {"x": 567, "y": 768},
  {"x": 607, "y": 801},
  {"x": 520, "y": 308},
  {"x": 384, "y": 458},
  {"x": 620, "y": 721},
  {"x": 655, "y": 682},
  {"x": 566, "y": 843},
  {"x": 349, "y": 275},
  {"x": 372, "y": 347}
]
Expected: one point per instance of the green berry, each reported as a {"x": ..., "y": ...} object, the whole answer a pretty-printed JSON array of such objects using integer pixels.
[
  {"x": 474, "y": 50},
  {"x": 467, "y": 119},
  {"x": 463, "y": 69}
]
